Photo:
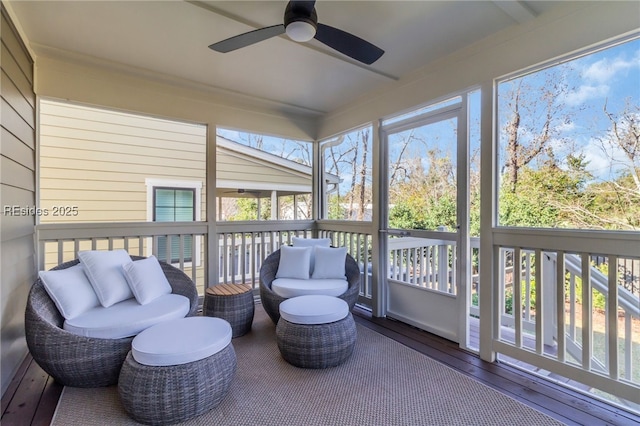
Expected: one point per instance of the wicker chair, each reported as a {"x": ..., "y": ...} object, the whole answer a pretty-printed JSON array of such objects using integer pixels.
[
  {"x": 79, "y": 361},
  {"x": 271, "y": 301}
]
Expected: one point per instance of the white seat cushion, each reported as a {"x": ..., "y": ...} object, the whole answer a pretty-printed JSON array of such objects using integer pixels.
[
  {"x": 181, "y": 341},
  {"x": 127, "y": 318},
  {"x": 291, "y": 287},
  {"x": 315, "y": 309}
]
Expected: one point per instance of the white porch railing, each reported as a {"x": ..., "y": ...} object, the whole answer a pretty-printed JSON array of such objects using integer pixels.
[
  {"x": 242, "y": 246},
  {"x": 560, "y": 313},
  {"x": 58, "y": 243},
  {"x": 563, "y": 338}
]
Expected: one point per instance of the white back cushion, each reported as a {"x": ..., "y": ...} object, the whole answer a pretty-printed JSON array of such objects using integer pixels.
[
  {"x": 104, "y": 269},
  {"x": 146, "y": 279},
  {"x": 311, "y": 242},
  {"x": 294, "y": 262},
  {"x": 330, "y": 262},
  {"x": 70, "y": 290}
]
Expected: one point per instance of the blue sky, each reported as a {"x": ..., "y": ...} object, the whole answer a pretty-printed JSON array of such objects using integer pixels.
[{"x": 610, "y": 75}]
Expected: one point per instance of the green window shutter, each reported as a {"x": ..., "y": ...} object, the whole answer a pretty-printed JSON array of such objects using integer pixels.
[{"x": 174, "y": 205}]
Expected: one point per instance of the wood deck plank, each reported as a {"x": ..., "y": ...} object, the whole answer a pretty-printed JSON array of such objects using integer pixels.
[{"x": 26, "y": 399}]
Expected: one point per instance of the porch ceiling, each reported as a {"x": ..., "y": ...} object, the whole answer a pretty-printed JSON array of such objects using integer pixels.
[{"x": 170, "y": 39}]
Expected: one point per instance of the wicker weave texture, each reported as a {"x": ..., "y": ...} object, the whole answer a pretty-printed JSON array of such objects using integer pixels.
[
  {"x": 175, "y": 393},
  {"x": 237, "y": 309},
  {"x": 79, "y": 361},
  {"x": 271, "y": 301},
  {"x": 316, "y": 345}
]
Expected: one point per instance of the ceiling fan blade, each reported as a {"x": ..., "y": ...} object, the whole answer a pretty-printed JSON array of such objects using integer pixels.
[
  {"x": 352, "y": 46},
  {"x": 247, "y": 39}
]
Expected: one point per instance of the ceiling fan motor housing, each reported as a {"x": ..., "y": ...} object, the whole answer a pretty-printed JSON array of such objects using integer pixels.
[{"x": 300, "y": 23}]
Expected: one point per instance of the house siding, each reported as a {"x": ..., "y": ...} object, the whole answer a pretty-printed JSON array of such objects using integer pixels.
[
  {"x": 17, "y": 184},
  {"x": 96, "y": 162},
  {"x": 242, "y": 169}
]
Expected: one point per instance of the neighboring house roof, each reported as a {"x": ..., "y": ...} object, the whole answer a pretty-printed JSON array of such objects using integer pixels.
[{"x": 243, "y": 171}]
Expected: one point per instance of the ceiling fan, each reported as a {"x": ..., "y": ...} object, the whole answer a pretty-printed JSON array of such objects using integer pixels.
[{"x": 301, "y": 24}]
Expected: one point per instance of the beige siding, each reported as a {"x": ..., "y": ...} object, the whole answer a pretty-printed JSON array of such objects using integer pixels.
[
  {"x": 98, "y": 160},
  {"x": 17, "y": 188},
  {"x": 243, "y": 169}
]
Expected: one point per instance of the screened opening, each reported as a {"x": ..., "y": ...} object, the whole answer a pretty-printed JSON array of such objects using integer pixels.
[{"x": 569, "y": 154}]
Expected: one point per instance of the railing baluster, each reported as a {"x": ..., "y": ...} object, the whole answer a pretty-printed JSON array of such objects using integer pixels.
[
  {"x": 527, "y": 286},
  {"x": 572, "y": 306},
  {"x": 612, "y": 319},
  {"x": 560, "y": 296},
  {"x": 516, "y": 297},
  {"x": 587, "y": 326},
  {"x": 628, "y": 345},
  {"x": 540, "y": 320}
]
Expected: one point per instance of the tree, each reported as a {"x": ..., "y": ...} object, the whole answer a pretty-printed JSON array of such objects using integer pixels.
[
  {"x": 625, "y": 136},
  {"x": 348, "y": 158},
  {"x": 534, "y": 118}
]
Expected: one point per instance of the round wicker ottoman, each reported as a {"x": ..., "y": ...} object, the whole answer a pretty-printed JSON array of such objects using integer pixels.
[
  {"x": 177, "y": 370},
  {"x": 315, "y": 331},
  {"x": 231, "y": 302}
]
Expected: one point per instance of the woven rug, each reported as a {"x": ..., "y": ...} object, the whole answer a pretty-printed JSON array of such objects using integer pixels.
[{"x": 383, "y": 383}]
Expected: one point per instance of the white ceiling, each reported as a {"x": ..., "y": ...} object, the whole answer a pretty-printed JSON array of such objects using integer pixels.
[{"x": 171, "y": 39}]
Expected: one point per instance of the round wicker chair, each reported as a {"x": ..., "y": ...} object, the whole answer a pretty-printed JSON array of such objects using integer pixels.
[
  {"x": 271, "y": 301},
  {"x": 79, "y": 361}
]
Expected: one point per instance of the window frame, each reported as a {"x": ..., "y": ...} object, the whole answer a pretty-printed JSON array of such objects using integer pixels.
[{"x": 196, "y": 186}]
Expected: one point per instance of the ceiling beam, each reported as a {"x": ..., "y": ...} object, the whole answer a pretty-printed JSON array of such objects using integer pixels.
[
  {"x": 211, "y": 8},
  {"x": 518, "y": 10}
]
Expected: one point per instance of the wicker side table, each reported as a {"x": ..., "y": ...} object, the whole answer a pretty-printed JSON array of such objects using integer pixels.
[{"x": 231, "y": 302}]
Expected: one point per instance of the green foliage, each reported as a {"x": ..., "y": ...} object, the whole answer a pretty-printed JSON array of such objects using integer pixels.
[
  {"x": 598, "y": 300},
  {"x": 508, "y": 297},
  {"x": 247, "y": 209},
  {"x": 336, "y": 211},
  {"x": 418, "y": 212}
]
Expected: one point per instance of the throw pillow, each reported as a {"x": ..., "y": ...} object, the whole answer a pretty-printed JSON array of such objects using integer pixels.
[
  {"x": 330, "y": 262},
  {"x": 70, "y": 290},
  {"x": 294, "y": 262},
  {"x": 146, "y": 279},
  {"x": 311, "y": 242},
  {"x": 104, "y": 269}
]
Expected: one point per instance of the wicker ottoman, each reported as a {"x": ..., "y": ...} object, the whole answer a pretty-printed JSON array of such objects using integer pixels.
[
  {"x": 315, "y": 331},
  {"x": 177, "y": 370},
  {"x": 231, "y": 302}
]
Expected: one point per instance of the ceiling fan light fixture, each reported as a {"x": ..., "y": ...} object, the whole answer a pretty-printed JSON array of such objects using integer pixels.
[{"x": 301, "y": 31}]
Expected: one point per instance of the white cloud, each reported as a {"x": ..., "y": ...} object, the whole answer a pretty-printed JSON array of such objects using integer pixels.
[
  {"x": 605, "y": 161},
  {"x": 605, "y": 69},
  {"x": 586, "y": 92},
  {"x": 598, "y": 76}
]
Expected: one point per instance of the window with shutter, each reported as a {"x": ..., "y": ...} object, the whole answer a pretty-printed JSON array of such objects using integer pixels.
[{"x": 174, "y": 205}]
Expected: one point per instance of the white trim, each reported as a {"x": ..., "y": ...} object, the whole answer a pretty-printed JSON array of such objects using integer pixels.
[{"x": 263, "y": 186}]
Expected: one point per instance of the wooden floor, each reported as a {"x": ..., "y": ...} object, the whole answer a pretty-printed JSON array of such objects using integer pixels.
[{"x": 32, "y": 396}]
